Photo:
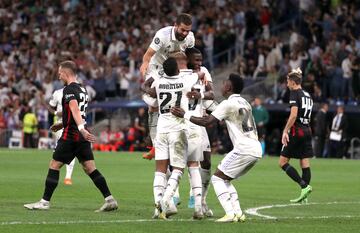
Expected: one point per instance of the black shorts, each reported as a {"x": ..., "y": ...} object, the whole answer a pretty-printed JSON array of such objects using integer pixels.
[
  {"x": 299, "y": 145},
  {"x": 66, "y": 151}
]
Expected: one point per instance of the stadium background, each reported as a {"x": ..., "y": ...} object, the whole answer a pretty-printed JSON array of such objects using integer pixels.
[
  {"x": 107, "y": 40},
  {"x": 261, "y": 40}
]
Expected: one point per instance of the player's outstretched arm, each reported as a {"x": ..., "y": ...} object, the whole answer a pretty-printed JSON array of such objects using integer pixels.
[
  {"x": 202, "y": 121},
  {"x": 75, "y": 111},
  {"x": 146, "y": 59},
  {"x": 146, "y": 87}
]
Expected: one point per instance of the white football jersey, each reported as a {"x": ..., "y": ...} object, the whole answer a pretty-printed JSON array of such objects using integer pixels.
[
  {"x": 171, "y": 92},
  {"x": 237, "y": 113},
  {"x": 165, "y": 42},
  {"x": 56, "y": 101}
]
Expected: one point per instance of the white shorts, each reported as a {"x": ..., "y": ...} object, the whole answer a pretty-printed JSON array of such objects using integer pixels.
[
  {"x": 205, "y": 140},
  {"x": 58, "y": 134},
  {"x": 194, "y": 150},
  {"x": 152, "y": 122},
  {"x": 236, "y": 164},
  {"x": 172, "y": 146}
]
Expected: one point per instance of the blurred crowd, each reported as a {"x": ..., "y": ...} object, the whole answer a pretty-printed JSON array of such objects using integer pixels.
[
  {"x": 324, "y": 41},
  {"x": 108, "y": 38}
]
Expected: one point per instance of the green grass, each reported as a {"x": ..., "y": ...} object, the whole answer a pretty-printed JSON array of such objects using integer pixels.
[{"x": 334, "y": 204}]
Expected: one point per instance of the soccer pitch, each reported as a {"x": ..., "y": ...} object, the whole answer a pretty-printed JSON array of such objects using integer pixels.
[{"x": 334, "y": 205}]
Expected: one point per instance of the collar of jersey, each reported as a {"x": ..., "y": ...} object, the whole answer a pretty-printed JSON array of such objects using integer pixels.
[
  {"x": 186, "y": 71},
  {"x": 234, "y": 95},
  {"x": 170, "y": 77}
]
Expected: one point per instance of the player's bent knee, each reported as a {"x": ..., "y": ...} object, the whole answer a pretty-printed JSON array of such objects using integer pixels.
[{"x": 55, "y": 165}]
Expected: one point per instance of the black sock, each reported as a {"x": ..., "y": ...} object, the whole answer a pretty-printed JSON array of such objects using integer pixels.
[
  {"x": 294, "y": 175},
  {"x": 100, "y": 183},
  {"x": 306, "y": 175},
  {"x": 51, "y": 182}
]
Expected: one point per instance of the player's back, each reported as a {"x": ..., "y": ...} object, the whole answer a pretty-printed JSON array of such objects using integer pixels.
[
  {"x": 304, "y": 102},
  {"x": 73, "y": 91},
  {"x": 171, "y": 92}
]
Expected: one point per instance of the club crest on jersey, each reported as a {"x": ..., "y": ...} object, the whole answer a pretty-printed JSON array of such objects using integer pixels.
[{"x": 157, "y": 40}]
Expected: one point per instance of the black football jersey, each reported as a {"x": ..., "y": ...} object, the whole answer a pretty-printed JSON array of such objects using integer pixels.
[
  {"x": 304, "y": 102},
  {"x": 73, "y": 91}
]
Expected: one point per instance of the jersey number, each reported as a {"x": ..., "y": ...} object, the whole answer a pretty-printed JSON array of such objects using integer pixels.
[
  {"x": 167, "y": 96},
  {"x": 248, "y": 123},
  {"x": 84, "y": 99},
  {"x": 307, "y": 104}
]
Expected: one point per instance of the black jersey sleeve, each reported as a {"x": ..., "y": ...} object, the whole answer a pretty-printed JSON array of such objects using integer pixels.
[
  {"x": 69, "y": 94},
  {"x": 294, "y": 100}
]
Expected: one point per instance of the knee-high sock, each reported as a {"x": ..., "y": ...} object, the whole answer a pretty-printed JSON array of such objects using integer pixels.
[
  {"x": 306, "y": 175},
  {"x": 172, "y": 184},
  {"x": 100, "y": 183},
  {"x": 69, "y": 169},
  {"x": 195, "y": 182},
  {"x": 294, "y": 175},
  {"x": 205, "y": 179},
  {"x": 234, "y": 198},
  {"x": 223, "y": 194},
  {"x": 51, "y": 183},
  {"x": 159, "y": 186}
]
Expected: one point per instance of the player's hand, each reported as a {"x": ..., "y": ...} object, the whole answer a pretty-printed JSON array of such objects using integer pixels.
[
  {"x": 179, "y": 112},
  {"x": 202, "y": 77},
  {"x": 56, "y": 127},
  {"x": 285, "y": 138},
  {"x": 193, "y": 95},
  {"x": 143, "y": 68},
  {"x": 151, "y": 92},
  {"x": 88, "y": 136}
]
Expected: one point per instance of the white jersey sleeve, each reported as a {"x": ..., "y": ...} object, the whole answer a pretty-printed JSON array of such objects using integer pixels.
[
  {"x": 56, "y": 99},
  {"x": 207, "y": 73},
  {"x": 158, "y": 41},
  {"x": 222, "y": 111}
]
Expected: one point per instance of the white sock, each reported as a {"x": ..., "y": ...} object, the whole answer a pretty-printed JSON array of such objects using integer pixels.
[
  {"x": 159, "y": 186},
  {"x": 177, "y": 194},
  {"x": 234, "y": 198},
  {"x": 69, "y": 169},
  {"x": 205, "y": 179},
  {"x": 196, "y": 187},
  {"x": 222, "y": 194},
  {"x": 172, "y": 184},
  {"x": 190, "y": 190}
]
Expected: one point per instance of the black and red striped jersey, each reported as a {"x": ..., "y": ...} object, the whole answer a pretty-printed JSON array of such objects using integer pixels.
[{"x": 73, "y": 91}]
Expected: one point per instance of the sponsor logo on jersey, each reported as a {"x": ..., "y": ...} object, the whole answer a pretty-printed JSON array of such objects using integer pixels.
[
  {"x": 157, "y": 40},
  {"x": 67, "y": 96}
]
